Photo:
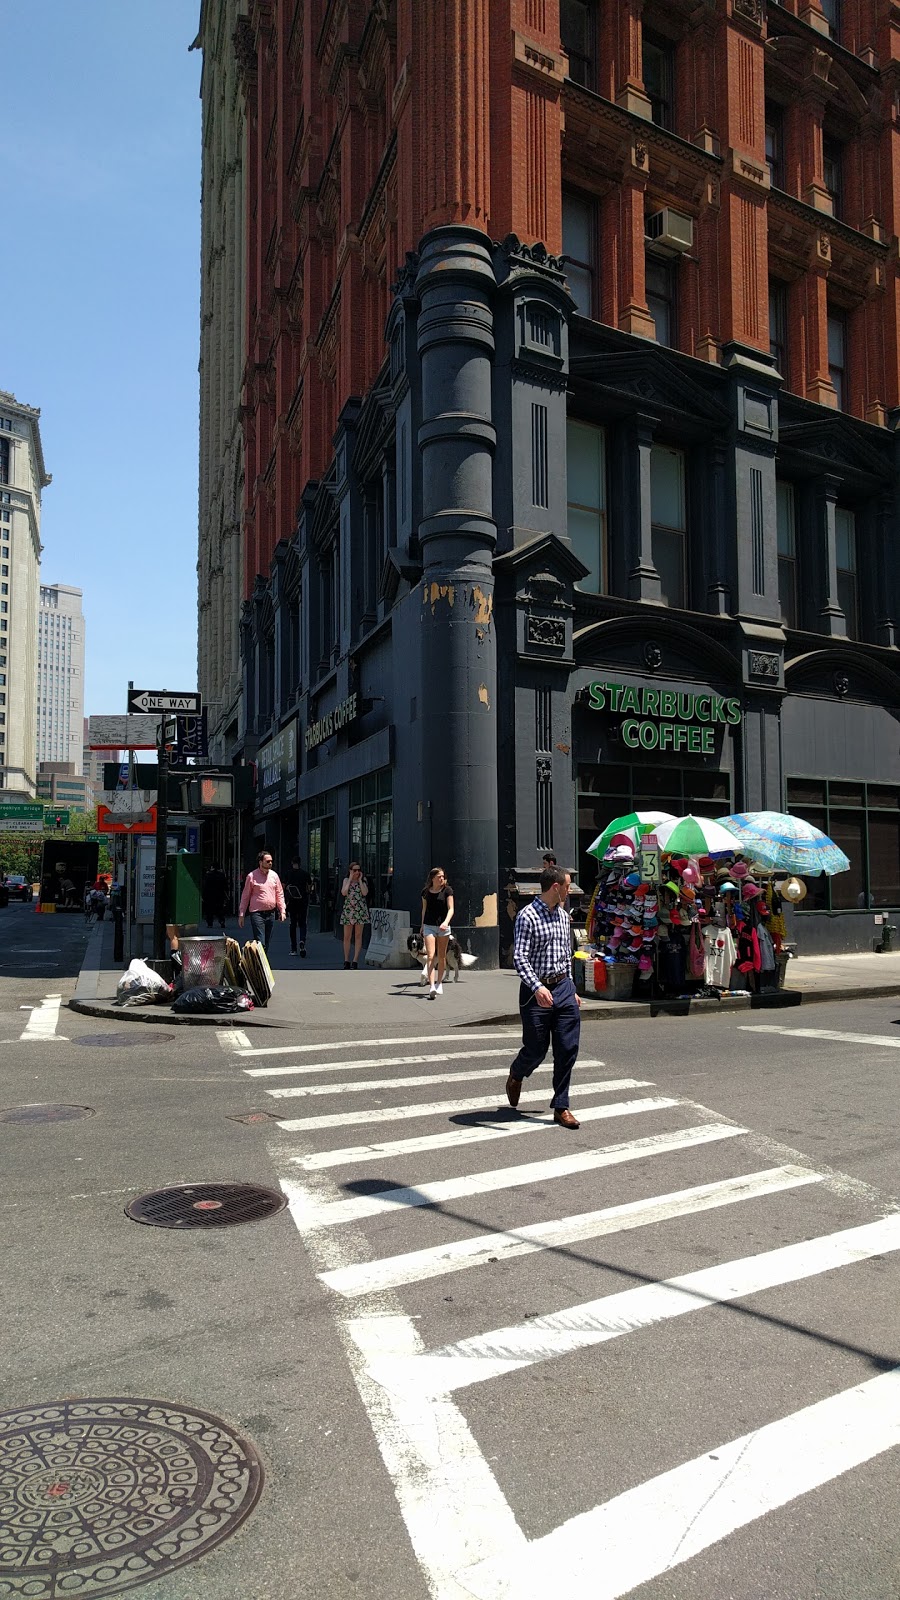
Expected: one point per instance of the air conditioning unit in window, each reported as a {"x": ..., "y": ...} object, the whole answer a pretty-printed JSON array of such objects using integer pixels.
[{"x": 670, "y": 232}]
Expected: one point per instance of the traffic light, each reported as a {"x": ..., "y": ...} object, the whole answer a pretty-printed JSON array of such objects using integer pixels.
[{"x": 57, "y": 820}]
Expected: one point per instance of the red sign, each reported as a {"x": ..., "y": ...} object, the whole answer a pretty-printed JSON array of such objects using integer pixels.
[{"x": 111, "y": 822}]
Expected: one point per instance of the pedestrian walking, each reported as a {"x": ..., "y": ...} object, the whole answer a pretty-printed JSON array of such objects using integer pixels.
[
  {"x": 263, "y": 898},
  {"x": 437, "y": 915},
  {"x": 355, "y": 914},
  {"x": 214, "y": 895},
  {"x": 297, "y": 885},
  {"x": 548, "y": 1004}
]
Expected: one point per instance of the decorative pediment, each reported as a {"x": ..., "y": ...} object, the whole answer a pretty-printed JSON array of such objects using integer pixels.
[
  {"x": 835, "y": 443},
  {"x": 661, "y": 644},
  {"x": 544, "y": 569},
  {"x": 845, "y": 672},
  {"x": 373, "y": 432},
  {"x": 323, "y": 523},
  {"x": 398, "y": 568},
  {"x": 654, "y": 380},
  {"x": 262, "y": 607}
]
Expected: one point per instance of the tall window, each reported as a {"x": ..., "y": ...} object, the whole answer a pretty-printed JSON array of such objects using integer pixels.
[
  {"x": 658, "y": 70},
  {"x": 576, "y": 26},
  {"x": 660, "y": 290},
  {"x": 4, "y": 461},
  {"x": 837, "y": 355},
  {"x": 831, "y": 10},
  {"x": 586, "y": 471},
  {"x": 787, "y": 553},
  {"x": 579, "y": 227},
  {"x": 832, "y": 166},
  {"x": 778, "y": 325},
  {"x": 775, "y": 145},
  {"x": 372, "y": 832},
  {"x": 864, "y": 820},
  {"x": 669, "y": 519},
  {"x": 845, "y": 543}
]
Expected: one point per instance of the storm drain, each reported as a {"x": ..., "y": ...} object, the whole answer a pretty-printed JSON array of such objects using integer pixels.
[
  {"x": 101, "y": 1496},
  {"x": 206, "y": 1205},
  {"x": 39, "y": 1113},
  {"x": 117, "y": 1041}
]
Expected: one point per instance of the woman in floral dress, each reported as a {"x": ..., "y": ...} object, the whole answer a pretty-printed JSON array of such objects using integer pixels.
[{"x": 355, "y": 914}]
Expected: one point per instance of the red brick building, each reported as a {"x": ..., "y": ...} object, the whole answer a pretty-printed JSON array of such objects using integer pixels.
[{"x": 717, "y": 359}]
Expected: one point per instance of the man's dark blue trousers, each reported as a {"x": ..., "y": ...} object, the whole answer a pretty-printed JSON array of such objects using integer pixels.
[{"x": 559, "y": 1024}]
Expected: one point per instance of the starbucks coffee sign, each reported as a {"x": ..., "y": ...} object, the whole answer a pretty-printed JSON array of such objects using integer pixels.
[
  {"x": 665, "y": 719},
  {"x": 331, "y": 723}
]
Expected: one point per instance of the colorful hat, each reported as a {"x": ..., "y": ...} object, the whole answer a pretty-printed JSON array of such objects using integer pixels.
[
  {"x": 728, "y": 888},
  {"x": 751, "y": 891}
]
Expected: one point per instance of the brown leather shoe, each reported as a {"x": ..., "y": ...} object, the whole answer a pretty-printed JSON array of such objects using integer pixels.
[
  {"x": 565, "y": 1118},
  {"x": 513, "y": 1090}
]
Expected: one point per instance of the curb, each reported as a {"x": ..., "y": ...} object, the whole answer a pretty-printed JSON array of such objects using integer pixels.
[
  {"x": 157, "y": 1014},
  {"x": 778, "y": 1000}
]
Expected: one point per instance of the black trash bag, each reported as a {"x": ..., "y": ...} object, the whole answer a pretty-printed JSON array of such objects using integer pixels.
[{"x": 220, "y": 998}]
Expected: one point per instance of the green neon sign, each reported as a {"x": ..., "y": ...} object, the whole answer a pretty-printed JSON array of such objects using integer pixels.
[{"x": 686, "y": 721}]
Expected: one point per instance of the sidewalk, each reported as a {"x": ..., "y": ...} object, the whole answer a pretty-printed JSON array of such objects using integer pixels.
[{"x": 319, "y": 990}]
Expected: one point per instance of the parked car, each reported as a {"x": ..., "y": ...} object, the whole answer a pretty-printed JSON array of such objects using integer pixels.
[{"x": 17, "y": 887}]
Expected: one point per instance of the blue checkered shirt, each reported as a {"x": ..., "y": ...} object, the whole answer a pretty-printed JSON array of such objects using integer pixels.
[{"x": 542, "y": 943}]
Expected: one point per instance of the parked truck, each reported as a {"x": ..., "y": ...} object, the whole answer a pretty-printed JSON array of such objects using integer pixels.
[{"x": 68, "y": 868}]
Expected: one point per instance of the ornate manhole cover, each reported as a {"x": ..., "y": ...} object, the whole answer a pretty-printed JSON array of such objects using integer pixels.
[
  {"x": 39, "y": 1113},
  {"x": 205, "y": 1205},
  {"x": 100, "y": 1496},
  {"x": 115, "y": 1041}
]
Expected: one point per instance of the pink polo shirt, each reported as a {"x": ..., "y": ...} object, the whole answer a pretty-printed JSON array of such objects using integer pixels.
[{"x": 262, "y": 892}]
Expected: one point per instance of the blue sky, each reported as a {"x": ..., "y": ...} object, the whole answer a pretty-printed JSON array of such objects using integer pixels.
[{"x": 99, "y": 274}]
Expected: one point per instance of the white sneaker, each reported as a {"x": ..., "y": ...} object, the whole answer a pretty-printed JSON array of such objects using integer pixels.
[
  {"x": 432, "y": 992},
  {"x": 439, "y": 989}
]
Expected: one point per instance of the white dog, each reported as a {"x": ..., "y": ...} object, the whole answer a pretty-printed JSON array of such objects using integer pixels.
[{"x": 457, "y": 959}]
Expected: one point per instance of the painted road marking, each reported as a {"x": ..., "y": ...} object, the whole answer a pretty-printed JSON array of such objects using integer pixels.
[
  {"x": 459, "y": 1037},
  {"x": 310, "y": 1214},
  {"x": 232, "y": 1039},
  {"x": 385, "y": 1061},
  {"x": 490, "y": 1355},
  {"x": 303, "y": 1090},
  {"x": 42, "y": 1023},
  {"x": 414, "y": 1266},
  {"x": 612, "y": 1550},
  {"x": 352, "y": 1155},
  {"x": 880, "y": 1040},
  {"x": 434, "y": 1108}
]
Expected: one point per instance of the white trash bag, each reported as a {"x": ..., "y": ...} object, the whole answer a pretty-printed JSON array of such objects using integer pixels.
[{"x": 139, "y": 984}]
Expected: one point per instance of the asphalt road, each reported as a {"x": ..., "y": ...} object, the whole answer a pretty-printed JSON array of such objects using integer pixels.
[{"x": 732, "y": 1438}]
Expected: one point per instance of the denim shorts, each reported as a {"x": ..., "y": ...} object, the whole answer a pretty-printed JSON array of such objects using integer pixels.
[{"x": 434, "y": 930}]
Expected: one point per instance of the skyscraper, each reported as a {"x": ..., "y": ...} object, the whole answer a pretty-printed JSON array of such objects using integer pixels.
[
  {"x": 22, "y": 479},
  {"x": 60, "y": 675}
]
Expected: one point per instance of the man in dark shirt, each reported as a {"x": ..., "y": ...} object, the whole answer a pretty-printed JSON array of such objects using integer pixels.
[
  {"x": 296, "y": 893},
  {"x": 214, "y": 893}
]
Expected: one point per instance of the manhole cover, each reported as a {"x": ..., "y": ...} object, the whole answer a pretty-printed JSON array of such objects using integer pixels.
[
  {"x": 100, "y": 1496},
  {"x": 205, "y": 1205},
  {"x": 251, "y": 1116},
  {"x": 44, "y": 1114},
  {"x": 115, "y": 1041}
]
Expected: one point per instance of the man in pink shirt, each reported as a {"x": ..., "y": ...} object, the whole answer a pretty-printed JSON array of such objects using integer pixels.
[{"x": 262, "y": 897}]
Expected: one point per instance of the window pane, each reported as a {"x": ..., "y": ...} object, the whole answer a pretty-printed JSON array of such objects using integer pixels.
[
  {"x": 586, "y": 536},
  {"x": 884, "y": 860},
  {"x": 848, "y": 832},
  {"x": 787, "y": 592},
  {"x": 802, "y": 792},
  {"x": 887, "y": 798},
  {"x": 578, "y": 223},
  {"x": 845, "y": 794},
  {"x": 668, "y": 559},
  {"x": 584, "y": 465},
  {"x": 845, "y": 538},
  {"x": 846, "y": 593},
  {"x": 607, "y": 779},
  {"x": 784, "y": 503},
  {"x": 667, "y": 487},
  {"x": 836, "y": 341},
  {"x": 581, "y": 288}
]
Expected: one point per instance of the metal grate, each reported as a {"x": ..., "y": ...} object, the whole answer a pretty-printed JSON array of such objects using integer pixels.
[{"x": 205, "y": 1205}]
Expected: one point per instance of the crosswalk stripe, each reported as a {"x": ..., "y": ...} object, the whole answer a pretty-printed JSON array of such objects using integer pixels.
[
  {"x": 353, "y": 1155},
  {"x": 233, "y": 1039},
  {"x": 434, "y": 1108},
  {"x": 879, "y": 1040},
  {"x": 309, "y": 1214},
  {"x": 416, "y": 1265},
  {"x": 387, "y": 1061},
  {"x": 303, "y": 1090},
  {"x": 490, "y": 1355},
  {"x": 658, "y": 1525},
  {"x": 459, "y": 1037},
  {"x": 42, "y": 1023}
]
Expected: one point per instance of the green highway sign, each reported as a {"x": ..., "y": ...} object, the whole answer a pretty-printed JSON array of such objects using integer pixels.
[
  {"x": 55, "y": 817},
  {"x": 28, "y": 818}
]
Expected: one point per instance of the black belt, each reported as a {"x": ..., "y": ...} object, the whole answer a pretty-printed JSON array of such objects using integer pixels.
[{"x": 554, "y": 979}]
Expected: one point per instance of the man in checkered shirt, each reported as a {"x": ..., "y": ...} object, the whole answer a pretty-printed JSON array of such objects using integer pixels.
[{"x": 548, "y": 1004}]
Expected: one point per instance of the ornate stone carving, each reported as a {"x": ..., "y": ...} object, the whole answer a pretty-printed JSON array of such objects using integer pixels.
[
  {"x": 763, "y": 664},
  {"x": 653, "y": 656},
  {"x": 543, "y": 769},
  {"x": 841, "y": 684},
  {"x": 751, "y": 9},
  {"x": 546, "y": 630},
  {"x": 536, "y": 255}
]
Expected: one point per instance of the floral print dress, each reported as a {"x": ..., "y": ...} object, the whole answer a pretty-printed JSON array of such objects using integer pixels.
[{"x": 355, "y": 907}]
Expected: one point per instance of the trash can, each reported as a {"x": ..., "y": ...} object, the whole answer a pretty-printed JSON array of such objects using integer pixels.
[
  {"x": 888, "y": 930},
  {"x": 202, "y": 961}
]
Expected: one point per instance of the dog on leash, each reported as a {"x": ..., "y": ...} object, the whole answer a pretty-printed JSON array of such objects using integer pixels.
[{"x": 457, "y": 959}]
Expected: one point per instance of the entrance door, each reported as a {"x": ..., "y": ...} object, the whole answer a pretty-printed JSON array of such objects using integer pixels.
[{"x": 320, "y": 856}]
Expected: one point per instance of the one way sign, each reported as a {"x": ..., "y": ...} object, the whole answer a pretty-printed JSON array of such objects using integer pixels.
[{"x": 163, "y": 700}]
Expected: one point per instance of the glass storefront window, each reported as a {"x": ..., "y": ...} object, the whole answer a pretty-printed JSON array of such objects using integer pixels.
[
  {"x": 372, "y": 833},
  {"x": 605, "y": 792},
  {"x": 863, "y": 819}
]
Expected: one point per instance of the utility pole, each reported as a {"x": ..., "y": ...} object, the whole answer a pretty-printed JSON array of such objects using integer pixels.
[{"x": 166, "y": 726}]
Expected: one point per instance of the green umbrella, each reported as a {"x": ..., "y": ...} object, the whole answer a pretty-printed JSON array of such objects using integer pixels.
[{"x": 634, "y": 823}]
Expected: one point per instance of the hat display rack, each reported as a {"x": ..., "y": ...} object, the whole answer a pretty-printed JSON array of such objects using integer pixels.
[{"x": 707, "y": 925}]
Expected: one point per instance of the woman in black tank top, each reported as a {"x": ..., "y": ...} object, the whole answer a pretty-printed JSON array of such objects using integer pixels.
[{"x": 437, "y": 915}]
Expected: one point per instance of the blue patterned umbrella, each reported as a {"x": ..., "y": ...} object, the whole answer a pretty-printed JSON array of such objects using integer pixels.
[{"x": 786, "y": 844}]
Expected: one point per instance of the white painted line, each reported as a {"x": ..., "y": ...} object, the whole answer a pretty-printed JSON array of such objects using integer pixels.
[
  {"x": 353, "y": 1155},
  {"x": 490, "y": 1355},
  {"x": 384, "y": 1061},
  {"x": 649, "y": 1530},
  {"x": 309, "y": 1213},
  {"x": 416, "y": 1265},
  {"x": 434, "y": 1108},
  {"x": 879, "y": 1040},
  {"x": 43, "y": 1021},
  {"x": 436, "y": 1079},
  {"x": 459, "y": 1037},
  {"x": 232, "y": 1039}
]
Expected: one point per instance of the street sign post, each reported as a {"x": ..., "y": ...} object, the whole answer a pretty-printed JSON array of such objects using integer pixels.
[
  {"x": 164, "y": 700},
  {"x": 28, "y": 818}
]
